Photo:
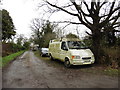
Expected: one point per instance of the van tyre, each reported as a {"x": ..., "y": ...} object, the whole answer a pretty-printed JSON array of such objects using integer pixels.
[
  {"x": 67, "y": 63},
  {"x": 42, "y": 55},
  {"x": 51, "y": 57}
]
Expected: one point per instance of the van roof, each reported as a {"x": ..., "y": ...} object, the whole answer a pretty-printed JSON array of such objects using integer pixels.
[{"x": 65, "y": 39}]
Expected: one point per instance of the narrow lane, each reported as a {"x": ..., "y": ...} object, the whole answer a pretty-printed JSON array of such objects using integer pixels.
[{"x": 27, "y": 71}]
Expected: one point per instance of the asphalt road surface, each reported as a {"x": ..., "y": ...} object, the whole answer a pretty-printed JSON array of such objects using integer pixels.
[{"x": 28, "y": 71}]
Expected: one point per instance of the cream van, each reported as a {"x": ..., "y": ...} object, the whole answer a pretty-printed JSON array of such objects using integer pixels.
[{"x": 71, "y": 51}]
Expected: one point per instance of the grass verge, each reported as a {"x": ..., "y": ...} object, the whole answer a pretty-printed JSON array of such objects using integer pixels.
[
  {"x": 94, "y": 69},
  {"x": 49, "y": 62},
  {"x": 112, "y": 72},
  {"x": 102, "y": 71},
  {"x": 5, "y": 60}
]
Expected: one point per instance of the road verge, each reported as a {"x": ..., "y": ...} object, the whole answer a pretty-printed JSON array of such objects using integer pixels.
[
  {"x": 7, "y": 59},
  {"x": 94, "y": 69}
]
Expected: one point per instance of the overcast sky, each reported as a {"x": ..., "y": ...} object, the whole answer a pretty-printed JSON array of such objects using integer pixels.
[{"x": 22, "y": 12}]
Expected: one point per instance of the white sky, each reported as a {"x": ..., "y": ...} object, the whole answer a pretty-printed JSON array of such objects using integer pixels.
[{"x": 22, "y": 12}]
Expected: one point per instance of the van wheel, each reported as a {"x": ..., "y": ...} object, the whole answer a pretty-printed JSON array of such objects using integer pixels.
[
  {"x": 67, "y": 63},
  {"x": 51, "y": 57},
  {"x": 41, "y": 55}
]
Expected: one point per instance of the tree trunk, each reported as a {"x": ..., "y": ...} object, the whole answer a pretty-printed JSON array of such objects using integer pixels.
[{"x": 96, "y": 45}]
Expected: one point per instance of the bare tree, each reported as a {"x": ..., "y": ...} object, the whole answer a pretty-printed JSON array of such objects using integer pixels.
[
  {"x": 59, "y": 32},
  {"x": 95, "y": 15},
  {"x": 36, "y": 26},
  {"x": 20, "y": 38},
  {"x": 42, "y": 32}
]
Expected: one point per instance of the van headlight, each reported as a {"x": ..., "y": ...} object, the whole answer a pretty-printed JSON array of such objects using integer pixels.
[{"x": 75, "y": 57}]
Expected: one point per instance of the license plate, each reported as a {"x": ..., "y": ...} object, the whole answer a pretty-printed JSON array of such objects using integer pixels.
[{"x": 87, "y": 61}]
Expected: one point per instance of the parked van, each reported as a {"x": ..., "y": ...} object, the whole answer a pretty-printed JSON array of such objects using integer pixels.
[{"x": 72, "y": 51}]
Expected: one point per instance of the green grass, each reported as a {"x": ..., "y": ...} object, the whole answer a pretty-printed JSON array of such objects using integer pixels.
[
  {"x": 111, "y": 71},
  {"x": 0, "y": 61},
  {"x": 5, "y": 60},
  {"x": 106, "y": 71},
  {"x": 49, "y": 62}
]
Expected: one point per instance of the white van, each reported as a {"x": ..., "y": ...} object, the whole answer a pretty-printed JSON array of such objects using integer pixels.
[{"x": 71, "y": 51}]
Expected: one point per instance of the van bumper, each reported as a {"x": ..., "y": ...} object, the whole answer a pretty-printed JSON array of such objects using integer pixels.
[{"x": 81, "y": 62}]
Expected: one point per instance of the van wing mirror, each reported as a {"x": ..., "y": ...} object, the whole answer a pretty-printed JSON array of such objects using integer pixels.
[{"x": 66, "y": 49}]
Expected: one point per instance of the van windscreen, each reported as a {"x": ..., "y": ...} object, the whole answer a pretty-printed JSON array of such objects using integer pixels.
[{"x": 76, "y": 45}]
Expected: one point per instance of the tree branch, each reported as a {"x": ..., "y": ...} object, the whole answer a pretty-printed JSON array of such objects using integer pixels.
[
  {"x": 62, "y": 9},
  {"x": 81, "y": 16},
  {"x": 86, "y": 6},
  {"x": 88, "y": 33},
  {"x": 68, "y": 22},
  {"x": 111, "y": 12}
]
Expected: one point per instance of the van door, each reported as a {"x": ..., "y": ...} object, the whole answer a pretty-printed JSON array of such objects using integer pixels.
[
  {"x": 63, "y": 51},
  {"x": 57, "y": 51}
]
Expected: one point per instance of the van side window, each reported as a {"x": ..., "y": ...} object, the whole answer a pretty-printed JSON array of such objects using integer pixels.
[{"x": 63, "y": 46}]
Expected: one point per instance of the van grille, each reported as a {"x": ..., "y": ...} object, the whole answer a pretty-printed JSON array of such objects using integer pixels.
[{"x": 86, "y": 58}]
